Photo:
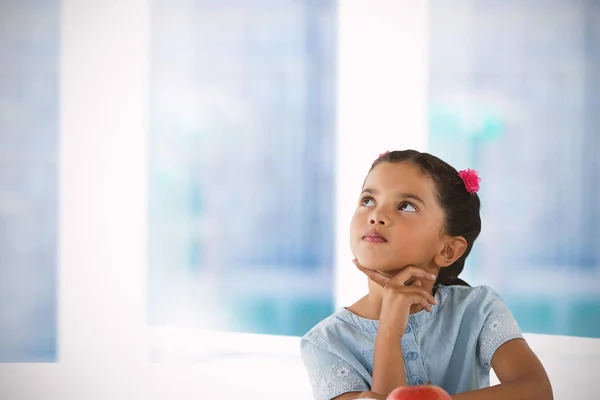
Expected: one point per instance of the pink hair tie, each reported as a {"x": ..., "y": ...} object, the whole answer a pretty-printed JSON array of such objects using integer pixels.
[
  {"x": 470, "y": 179},
  {"x": 382, "y": 154}
]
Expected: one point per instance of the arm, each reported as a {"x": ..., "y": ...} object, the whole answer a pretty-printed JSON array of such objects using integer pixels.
[
  {"x": 360, "y": 395},
  {"x": 332, "y": 375},
  {"x": 398, "y": 297},
  {"x": 520, "y": 373},
  {"x": 388, "y": 361},
  {"x": 502, "y": 347},
  {"x": 388, "y": 367}
]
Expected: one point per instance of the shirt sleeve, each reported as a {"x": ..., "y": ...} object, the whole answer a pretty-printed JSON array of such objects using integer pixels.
[
  {"x": 499, "y": 326},
  {"x": 329, "y": 374}
]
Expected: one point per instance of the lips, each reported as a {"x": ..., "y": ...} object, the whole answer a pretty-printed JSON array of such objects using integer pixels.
[{"x": 374, "y": 237}]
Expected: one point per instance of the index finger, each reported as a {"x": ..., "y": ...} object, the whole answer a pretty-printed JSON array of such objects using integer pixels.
[
  {"x": 375, "y": 276},
  {"x": 404, "y": 276}
]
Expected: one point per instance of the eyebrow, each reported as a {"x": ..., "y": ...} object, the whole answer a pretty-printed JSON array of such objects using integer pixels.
[{"x": 402, "y": 195}]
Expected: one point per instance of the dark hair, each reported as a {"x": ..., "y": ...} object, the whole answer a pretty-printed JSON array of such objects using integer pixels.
[{"x": 460, "y": 207}]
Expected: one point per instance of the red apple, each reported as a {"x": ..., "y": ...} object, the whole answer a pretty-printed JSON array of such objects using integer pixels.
[{"x": 425, "y": 392}]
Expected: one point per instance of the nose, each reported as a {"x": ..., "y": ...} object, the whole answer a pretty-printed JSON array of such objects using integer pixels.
[{"x": 378, "y": 218}]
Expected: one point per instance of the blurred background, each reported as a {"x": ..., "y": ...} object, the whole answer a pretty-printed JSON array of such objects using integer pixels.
[
  {"x": 29, "y": 134},
  {"x": 241, "y": 169},
  {"x": 243, "y": 161},
  {"x": 515, "y": 93}
]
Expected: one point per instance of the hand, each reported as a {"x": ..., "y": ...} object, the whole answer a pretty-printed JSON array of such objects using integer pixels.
[{"x": 400, "y": 292}]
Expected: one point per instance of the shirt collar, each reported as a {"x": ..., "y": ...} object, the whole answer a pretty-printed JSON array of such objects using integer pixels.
[{"x": 414, "y": 320}]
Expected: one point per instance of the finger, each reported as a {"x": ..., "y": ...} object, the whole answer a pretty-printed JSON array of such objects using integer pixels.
[
  {"x": 422, "y": 292},
  {"x": 374, "y": 275},
  {"x": 412, "y": 272},
  {"x": 379, "y": 276},
  {"x": 357, "y": 264},
  {"x": 418, "y": 299},
  {"x": 414, "y": 293},
  {"x": 428, "y": 296},
  {"x": 426, "y": 305},
  {"x": 416, "y": 283}
]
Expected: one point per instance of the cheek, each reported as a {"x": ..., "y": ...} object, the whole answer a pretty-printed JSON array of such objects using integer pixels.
[
  {"x": 356, "y": 229},
  {"x": 414, "y": 239},
  {"x": 353, "y": 226},
  {"x": 357, "y": 222},
  {"x": 428, "y": 243}
]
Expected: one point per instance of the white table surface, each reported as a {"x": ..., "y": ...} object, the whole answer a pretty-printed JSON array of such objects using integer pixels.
[{"x": 271, "y": 367}]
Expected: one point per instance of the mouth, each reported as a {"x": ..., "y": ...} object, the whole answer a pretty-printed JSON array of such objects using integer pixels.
[{"x": 374, "y": 237}]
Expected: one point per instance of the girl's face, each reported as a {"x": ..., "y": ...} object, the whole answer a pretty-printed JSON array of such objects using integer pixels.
[{"x": 398, "y": 203}]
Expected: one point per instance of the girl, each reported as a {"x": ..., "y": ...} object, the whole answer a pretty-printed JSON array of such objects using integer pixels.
[{"x": 414, "y": 226}]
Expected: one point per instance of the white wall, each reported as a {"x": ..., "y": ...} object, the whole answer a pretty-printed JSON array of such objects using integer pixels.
[
  {"x": 103, "y": 338},
  {"x": 382, "y": 105}
]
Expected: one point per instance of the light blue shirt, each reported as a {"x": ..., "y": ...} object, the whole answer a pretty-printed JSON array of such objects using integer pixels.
[{"x": 451, "y": 346}]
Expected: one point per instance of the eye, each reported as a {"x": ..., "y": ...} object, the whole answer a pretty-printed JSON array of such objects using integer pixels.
[
  {"x": 406, "y": 206},
  {"x": 365, "y": 202}
]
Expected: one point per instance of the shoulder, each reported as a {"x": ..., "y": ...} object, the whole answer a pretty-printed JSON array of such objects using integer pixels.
[
  {"x": 490, "y": 320},
  {"x": 490, "y": 303},
  {"x": 327, "y": 352},
  {"x": 467, "y": 291},
  {"x": 475, "y": 307},
  {"x": 318, "y": 334},
  {"x": 479, "y": 299},
  {"x": 342, "y": 333},
  {"x": 488, "y": 295},
  {"x": 328, "y": 332}
]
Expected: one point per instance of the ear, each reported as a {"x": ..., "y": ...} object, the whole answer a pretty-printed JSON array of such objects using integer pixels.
[{"x": 454, "y": 247}]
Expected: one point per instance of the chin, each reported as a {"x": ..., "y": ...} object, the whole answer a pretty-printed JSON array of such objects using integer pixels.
[
  {"x": 375, "y": 263},
  {"x": 391, "y": 265}
]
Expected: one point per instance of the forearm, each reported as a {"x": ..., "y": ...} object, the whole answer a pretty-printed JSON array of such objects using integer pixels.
[
  {"x": 369, "y": 395},
  {"x": 388, "y": 363},
  {"x": 531, "y": 389}
]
